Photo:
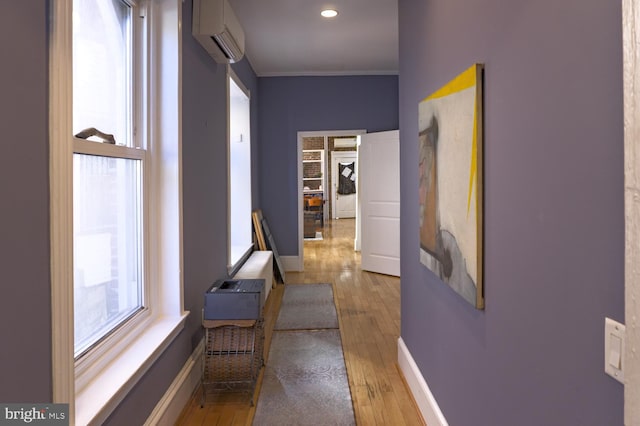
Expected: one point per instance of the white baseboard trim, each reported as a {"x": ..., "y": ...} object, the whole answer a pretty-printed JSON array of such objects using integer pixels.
[
  {"x": 292, "y": 263},
  {"x": 419, "y": 389},
  {"x": 178, "y": 394}
]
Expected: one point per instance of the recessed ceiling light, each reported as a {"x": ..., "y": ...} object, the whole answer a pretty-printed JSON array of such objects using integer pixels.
[{"x": 329, "y": 13}]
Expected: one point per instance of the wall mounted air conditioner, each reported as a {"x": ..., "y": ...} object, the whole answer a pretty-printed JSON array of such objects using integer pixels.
[
  {"x": 216, "y": 27},
  {"x": 344, "y": 142}
]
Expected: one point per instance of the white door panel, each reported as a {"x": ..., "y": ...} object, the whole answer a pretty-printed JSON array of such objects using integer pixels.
[
  {"x": 384, "y": 209},
  {"x": 342, "y": 206},
  {"x": 379, "y": 185},
  {"x": 382, "y": 245}
]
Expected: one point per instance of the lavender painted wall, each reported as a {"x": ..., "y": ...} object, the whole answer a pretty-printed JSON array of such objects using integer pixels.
[
  {"x": 25, "y": 360},
  {"x": 204, "y": 157},
  {"x": 553, "y": 210},
  {"x": 25, "y": 304},
  {"x": 204, "y": 170},
  {"x": 288, "y": 105}
]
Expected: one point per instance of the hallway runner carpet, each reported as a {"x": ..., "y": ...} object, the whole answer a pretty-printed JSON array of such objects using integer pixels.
[
  {"x": 305, "y": 379},
  {"x": 307, "y": 307}
]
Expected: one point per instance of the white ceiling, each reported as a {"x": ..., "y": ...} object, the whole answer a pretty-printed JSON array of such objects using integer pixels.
[{"x": 289, "y": 37}]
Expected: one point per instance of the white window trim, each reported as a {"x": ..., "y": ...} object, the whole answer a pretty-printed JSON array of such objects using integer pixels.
[
  {"x": 232, "y": 268},
  {"x": 101, "y": 395}
]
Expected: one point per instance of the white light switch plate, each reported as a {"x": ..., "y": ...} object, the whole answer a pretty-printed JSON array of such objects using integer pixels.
[{"x": 614, "y": 337}]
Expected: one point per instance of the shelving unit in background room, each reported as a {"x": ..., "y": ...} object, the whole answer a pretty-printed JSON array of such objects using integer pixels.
[
  {"x": 314, "y": 184},
  {"x": 313, "y": 171}
]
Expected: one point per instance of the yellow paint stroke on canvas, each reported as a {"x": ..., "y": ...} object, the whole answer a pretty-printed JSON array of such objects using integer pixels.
[
  {"x": 473, "y": 172},
  {"x": 464, "y": 81}
]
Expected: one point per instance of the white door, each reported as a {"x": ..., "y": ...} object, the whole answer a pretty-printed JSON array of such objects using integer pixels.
[
  {"x": 379, "y": 188},
  {"x": 343, "y": 205}
]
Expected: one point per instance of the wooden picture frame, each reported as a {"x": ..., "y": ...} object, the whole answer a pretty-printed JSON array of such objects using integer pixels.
[
  {"x": 256, "y": 216},
  {"x": 266, "y": 242}
]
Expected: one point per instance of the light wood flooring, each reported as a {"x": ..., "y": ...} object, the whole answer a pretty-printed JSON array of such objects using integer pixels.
[{"x": 368, "y": 308}]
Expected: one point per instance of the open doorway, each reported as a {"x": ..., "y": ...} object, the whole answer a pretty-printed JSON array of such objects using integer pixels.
[
  {"x": 315, "y": 181},
  {"x": 343, "y": 173}
]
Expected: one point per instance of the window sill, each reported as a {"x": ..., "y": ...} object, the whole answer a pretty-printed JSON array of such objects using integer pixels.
[{"x": 110, "y": 386}]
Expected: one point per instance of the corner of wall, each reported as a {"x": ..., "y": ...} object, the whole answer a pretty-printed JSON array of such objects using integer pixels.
[{"x": 292, "y": 263}]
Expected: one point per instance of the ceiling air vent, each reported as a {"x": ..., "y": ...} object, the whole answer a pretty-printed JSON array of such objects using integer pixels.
[{"x": 217, "y": 29}]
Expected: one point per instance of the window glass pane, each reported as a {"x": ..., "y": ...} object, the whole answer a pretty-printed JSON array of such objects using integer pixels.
[
  {"x": 102, "y": 67},
  {"x": 107, "y": 245}
]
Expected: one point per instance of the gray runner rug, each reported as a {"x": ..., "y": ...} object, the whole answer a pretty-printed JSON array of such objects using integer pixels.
[
  {"x": 307, "y": 307},
  {"x": 305, "y": 381},
  {"x": 305, "y": 378}
]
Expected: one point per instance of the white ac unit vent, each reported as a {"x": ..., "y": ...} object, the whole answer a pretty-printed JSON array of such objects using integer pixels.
[
  {"x": 344, "y": 142},
  {"x": 217, "y": 29}
]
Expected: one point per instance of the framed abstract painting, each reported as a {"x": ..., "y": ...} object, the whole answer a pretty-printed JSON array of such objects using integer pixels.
[{"x": 451, "y": 189}]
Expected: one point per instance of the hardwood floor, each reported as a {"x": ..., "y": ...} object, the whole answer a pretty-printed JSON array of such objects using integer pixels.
[{"x": 368, "y": 308}]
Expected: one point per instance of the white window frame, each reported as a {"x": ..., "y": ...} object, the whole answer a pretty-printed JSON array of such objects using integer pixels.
[
  {"x": 103, "y": 352},
  {"x": 233, "y": 267},
  {"x": 98, "y": 383}
]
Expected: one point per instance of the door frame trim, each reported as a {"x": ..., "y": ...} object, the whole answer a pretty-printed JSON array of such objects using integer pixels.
[
  {"x": 307, "y": 134},
  {"x": 631, "y": 84}
]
